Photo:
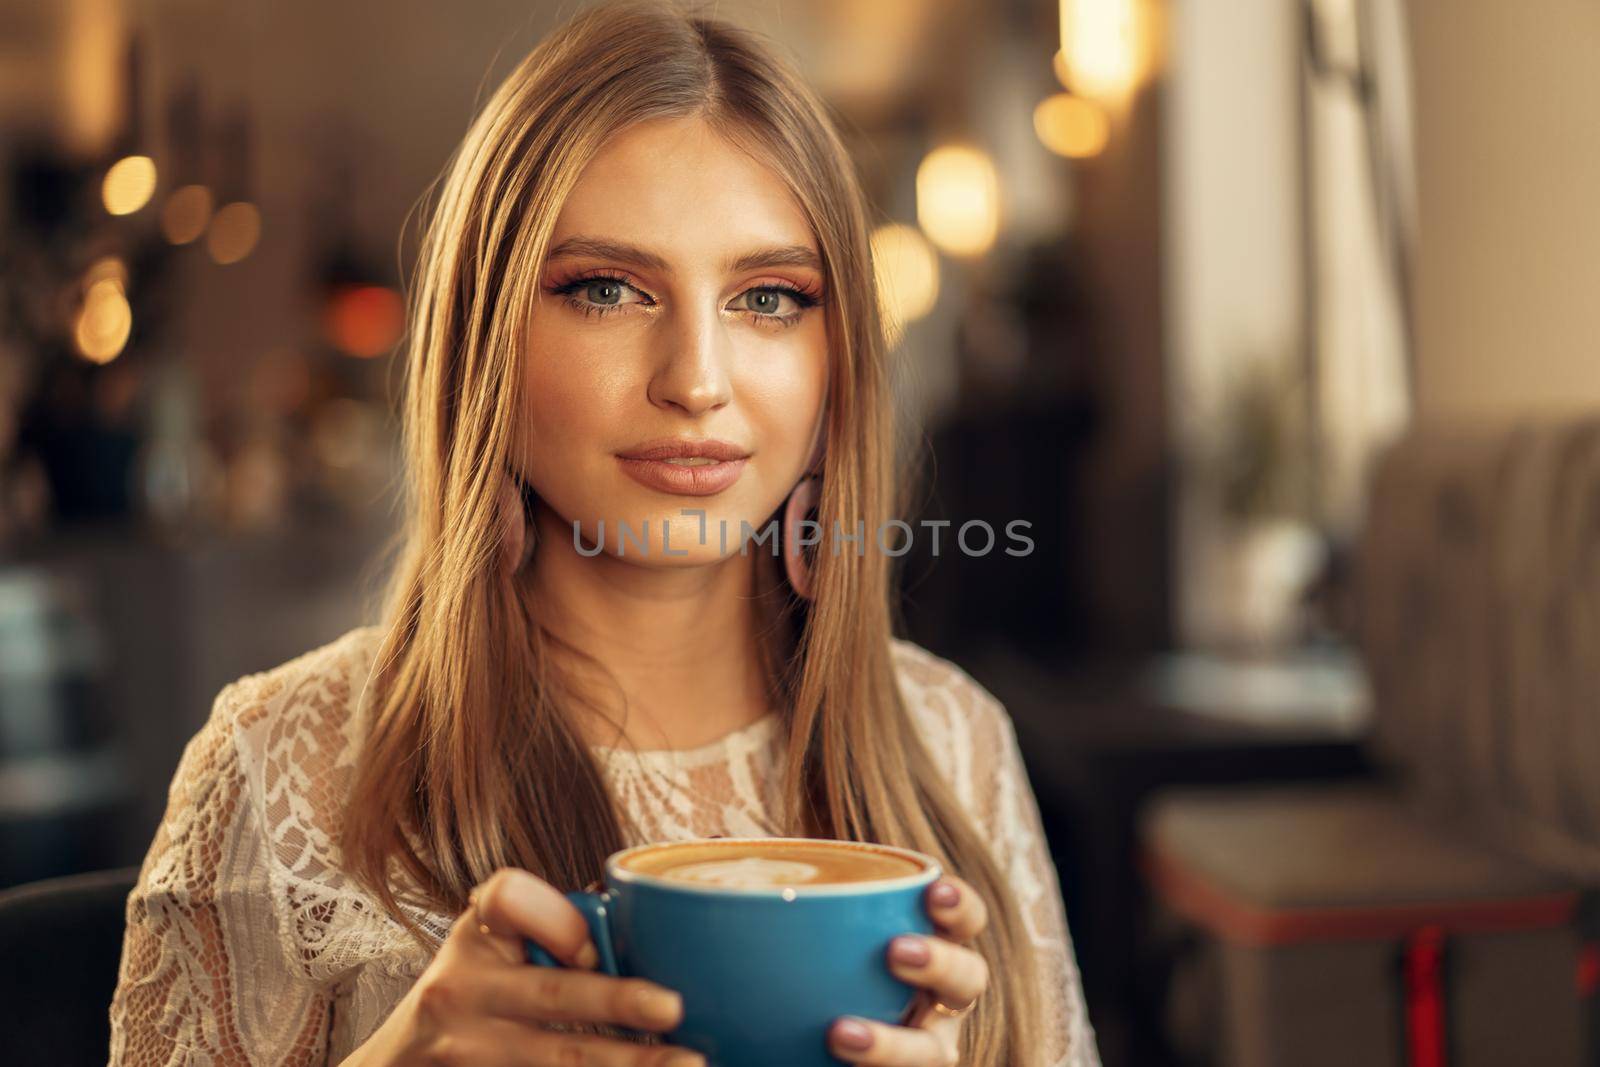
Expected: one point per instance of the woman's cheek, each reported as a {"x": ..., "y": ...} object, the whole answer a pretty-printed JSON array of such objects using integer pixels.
[
  {"x": 573, "y": 391},
  {"x": 786, "y": 382}
]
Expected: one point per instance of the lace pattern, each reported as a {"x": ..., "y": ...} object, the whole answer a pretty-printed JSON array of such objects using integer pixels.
[{"x": 246, "y": 944}]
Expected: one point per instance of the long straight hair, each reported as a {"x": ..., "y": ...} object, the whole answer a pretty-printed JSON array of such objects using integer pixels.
[{"x": 472, "y": 761}]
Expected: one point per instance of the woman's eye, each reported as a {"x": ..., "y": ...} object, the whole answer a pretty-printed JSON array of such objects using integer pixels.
[
  {"x": 606, "y": 292},
  {"x": 770, "y": 301},
  {"x": 604, "y": 295},
  {"x": 599, "y": 295}
]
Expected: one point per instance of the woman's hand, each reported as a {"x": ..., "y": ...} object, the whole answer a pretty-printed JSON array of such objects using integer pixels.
[
  {"x": 950, "y": 974},
  {"x": 481, "y": 1003}
]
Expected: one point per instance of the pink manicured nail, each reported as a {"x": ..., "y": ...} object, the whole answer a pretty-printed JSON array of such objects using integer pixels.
[
  {"x": 944, "y": 895},
  {"x": 852, "y": 1034},
  {"x": 911, "y": 951}
]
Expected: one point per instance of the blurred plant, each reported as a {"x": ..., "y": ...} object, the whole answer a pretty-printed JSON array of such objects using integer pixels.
[
  {"x": 1260, "y": 464},
  {"x": 1258, "y": 470}
]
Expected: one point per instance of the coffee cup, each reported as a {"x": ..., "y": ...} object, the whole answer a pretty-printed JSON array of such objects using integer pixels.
[{"x": 768, "y": 940}]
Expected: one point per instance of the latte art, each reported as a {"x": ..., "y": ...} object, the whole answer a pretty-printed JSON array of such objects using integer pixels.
[
  {"x": 748, "y": 871},
  {"x": 775, "y": 865}
]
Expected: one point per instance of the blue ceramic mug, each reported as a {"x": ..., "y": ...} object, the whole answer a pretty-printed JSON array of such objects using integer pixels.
[{"x": 763, "y": 970}]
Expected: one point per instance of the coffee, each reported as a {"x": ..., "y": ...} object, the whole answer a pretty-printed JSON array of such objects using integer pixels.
[
  {"x": 755, "y": 865},
  {"x": 767, "y": 939}
]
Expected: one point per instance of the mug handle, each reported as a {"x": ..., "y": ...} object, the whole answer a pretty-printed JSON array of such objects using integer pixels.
[{"x": 595, "y": 909}]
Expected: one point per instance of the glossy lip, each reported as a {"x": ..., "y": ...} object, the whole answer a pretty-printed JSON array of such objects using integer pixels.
[
  {"x": 686, "y": 448},
  {"x": 646, "y": 464},
  {"x": 929, "y": 874}
]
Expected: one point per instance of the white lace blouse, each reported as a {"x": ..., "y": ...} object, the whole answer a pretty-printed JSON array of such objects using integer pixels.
[{"x": 246, "y": 944}]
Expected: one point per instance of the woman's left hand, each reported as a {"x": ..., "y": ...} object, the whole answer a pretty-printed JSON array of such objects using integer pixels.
[{"x": 946, "y": 970}]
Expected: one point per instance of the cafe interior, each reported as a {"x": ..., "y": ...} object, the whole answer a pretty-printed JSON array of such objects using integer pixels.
[{"x": 1276, "y": 320}]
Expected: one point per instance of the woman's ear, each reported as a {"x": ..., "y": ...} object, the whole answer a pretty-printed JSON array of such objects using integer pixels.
[
  {"x": 516, "y": 534},
  {"x": 803, "y": 500}
]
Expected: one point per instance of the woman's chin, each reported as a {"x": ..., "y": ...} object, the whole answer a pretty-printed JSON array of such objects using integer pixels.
[
  {"x": 695, "y": 557},
  {"x": 670, "y": 540}
]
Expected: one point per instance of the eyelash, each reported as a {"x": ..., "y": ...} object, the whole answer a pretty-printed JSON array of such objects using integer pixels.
[{"x": 569, "y": 290}]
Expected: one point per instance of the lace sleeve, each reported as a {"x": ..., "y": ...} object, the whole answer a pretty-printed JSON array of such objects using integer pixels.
[
  {"x": 1009, "y": 813},
  {"x": 204, "y": 978}
]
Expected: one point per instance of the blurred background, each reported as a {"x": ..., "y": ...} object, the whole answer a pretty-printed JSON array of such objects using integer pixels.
[{"x": 1276, "y": 319}]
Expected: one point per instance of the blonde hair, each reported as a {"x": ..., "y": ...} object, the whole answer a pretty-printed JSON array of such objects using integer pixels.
[{"x": 472, "y": 761}]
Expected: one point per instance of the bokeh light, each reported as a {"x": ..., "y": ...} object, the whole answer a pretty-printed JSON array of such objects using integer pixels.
[
  {"x": 1102, "y": 47},
  {"x": 128, "y": 185},
  {"x": 107, "y": 269},
  {"x": 958, "y": 200},
  {"x": 1071, "y": 126},
  {"x": 234, "y": 231},
  {"x": 104, "y": 322},
  {"x": 186, "y": 214},
  {"x": 907, "y": 273},
  {"x": 1058, "y": 64},
  {"x": 364, "y": 320}
]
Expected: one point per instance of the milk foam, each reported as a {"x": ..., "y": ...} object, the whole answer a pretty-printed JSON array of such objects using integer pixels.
[{"x": 752, "y": 871}]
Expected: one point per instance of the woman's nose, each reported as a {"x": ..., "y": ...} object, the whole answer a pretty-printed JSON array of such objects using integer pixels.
[{"x": 692, "y": 375}]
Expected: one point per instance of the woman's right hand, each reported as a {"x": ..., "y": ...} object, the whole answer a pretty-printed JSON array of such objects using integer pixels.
[{"x": 481, "y": 1004}]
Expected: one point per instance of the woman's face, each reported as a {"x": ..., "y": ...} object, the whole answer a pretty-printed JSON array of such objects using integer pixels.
[{"x": 679, "y": 303}]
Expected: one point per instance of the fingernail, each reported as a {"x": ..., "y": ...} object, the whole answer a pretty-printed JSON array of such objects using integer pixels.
[
  {"x": 945, "y": 895},
  {"x": 911, "y": 951},
  {"x": 852, "y": 1034},
  {"x": 588, "y": 956},
  {"x": 660, "y": 1007}
]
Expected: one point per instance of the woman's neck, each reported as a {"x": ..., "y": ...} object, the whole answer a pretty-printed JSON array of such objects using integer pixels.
[{"x": 678, "y": 642}]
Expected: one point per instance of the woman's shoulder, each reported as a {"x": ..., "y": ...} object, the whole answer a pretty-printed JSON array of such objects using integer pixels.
[
  {"x": 926, "y": 676},
  {"x": 290, "y": 734},
  {"x": 320, "y": 688},
  {"x": 955, "y": 714},
  {"x": 969, "y": 736},
  {"x": 296, "y": 730}
]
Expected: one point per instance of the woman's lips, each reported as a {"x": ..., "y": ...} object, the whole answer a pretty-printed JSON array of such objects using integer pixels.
[
  {"x": 701, "y": 479},
  {"x": 685, "y": 466}
]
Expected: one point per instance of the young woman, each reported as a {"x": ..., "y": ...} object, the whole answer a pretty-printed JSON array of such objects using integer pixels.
[{"x": 645, "y": 298}]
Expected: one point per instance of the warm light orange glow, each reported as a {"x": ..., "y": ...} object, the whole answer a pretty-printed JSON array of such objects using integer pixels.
[
  {"x": 186, "y": 214},
  {"x": 104, "y": 322},
  {"x": 364, "y": 320},
  {"x": 233, "y": 233},
  {"x": 107, "y": 269},
  {"x": 93, "y": 35},
  {"x": 1105, "y": 46},
  {"x": 1058, "y": 64},
  {"x": 1071, "y": 126},
  {"x": 958, "y": 200},
  {"x": 907, "y": 272},
  {"x": 129, "y": 184}
]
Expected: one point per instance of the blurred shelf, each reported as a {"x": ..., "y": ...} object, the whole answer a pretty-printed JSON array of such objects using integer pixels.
[{"x": 1314, "y": 688}]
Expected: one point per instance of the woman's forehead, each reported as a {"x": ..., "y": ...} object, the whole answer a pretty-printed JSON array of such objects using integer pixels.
[{"x": 680, "y": 190}]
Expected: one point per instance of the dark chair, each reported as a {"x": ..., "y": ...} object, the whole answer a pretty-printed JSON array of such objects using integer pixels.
[{"x": 61, "y": 943}]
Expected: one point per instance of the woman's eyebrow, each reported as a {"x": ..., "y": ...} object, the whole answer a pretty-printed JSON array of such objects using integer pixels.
[
  {"x": 785, "y": 256},
  {"x": 604, "y": 248}
]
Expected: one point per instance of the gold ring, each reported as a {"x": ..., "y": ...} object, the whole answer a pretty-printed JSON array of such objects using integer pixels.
[
  {"x": 472, "y": 902},
  {"x": 949, "y": 1012}
]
